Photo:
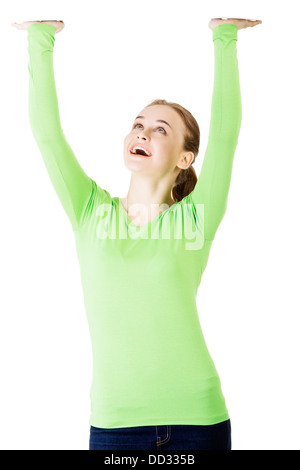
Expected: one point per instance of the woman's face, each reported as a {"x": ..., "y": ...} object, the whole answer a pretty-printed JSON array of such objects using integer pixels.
[{"x": 164, "y": 140}]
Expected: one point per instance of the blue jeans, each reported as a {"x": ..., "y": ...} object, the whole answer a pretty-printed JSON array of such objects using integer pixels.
[{"x": 175, "y": 437}]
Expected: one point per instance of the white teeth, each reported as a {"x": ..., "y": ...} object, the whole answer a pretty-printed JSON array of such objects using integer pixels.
[{"x": 141, "y": 148}]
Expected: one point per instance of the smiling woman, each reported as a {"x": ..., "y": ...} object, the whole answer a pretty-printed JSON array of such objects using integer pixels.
[
  {"x": 154, "y": 382},
  {"x": 184, "y": 178}
]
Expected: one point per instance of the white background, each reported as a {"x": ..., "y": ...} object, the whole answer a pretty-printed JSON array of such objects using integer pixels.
[{"x": 248, "y": 300}]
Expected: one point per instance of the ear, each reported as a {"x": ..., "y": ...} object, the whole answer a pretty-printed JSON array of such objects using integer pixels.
[{"x": 186, "y": 160}]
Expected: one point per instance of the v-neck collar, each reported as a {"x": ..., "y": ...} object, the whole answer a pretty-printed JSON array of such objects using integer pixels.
[{"x": 140, "y": 227}]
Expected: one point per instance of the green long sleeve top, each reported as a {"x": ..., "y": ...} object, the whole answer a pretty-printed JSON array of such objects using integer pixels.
[{"x": 151, "y": 365}]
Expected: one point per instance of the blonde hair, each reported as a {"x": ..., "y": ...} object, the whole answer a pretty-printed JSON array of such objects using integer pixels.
[{"x": 186, "y": 179}]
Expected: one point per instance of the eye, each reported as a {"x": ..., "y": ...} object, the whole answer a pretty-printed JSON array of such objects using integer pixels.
[{"x": 134, "y": 126}]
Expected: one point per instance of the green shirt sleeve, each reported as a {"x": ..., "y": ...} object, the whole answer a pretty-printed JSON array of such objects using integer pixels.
[
  {"x": 213, "y": 183},
  {"x": 73, "y": 187}
]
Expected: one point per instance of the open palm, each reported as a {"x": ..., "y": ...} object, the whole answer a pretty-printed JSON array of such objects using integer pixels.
[
  {"x": 241, "y": 23},
  {"x": 59, "y": 25}
]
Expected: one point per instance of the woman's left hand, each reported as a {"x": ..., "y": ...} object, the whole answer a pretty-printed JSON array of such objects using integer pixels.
[{"x": 241, "y": 23}]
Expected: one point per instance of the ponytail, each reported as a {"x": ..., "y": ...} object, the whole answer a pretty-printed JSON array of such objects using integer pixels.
[{"x": 184, "y": 183}]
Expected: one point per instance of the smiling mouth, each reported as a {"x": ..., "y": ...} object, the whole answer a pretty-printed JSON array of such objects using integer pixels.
[
  {"x": 139, "y": 155},
  {"x": 138, "y": 149}
]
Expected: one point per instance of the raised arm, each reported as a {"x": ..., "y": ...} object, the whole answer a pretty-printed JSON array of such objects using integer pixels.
[
  {"x": 73, "y": 187},
  {"x": 213, "y": 183}
]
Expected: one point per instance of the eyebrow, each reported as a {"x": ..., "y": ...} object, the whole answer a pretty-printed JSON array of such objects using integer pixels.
[{"x": 159, "y": 120}]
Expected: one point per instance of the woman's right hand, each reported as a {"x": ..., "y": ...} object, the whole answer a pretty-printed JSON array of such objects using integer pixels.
[{"x": 59, "y": 25}]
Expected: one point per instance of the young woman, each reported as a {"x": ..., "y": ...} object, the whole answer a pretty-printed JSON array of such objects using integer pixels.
[{"x": 142, "y": 257}]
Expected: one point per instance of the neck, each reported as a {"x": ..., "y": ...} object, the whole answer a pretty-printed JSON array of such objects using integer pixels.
[{"x": 147, "y": 200}]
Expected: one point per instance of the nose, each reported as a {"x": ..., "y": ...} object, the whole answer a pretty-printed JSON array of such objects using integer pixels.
[{"x": 143, "y": 136}]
